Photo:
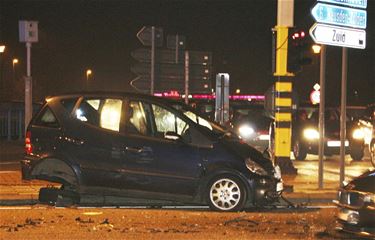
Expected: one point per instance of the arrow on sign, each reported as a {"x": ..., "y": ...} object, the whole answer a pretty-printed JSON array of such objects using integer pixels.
[
  {"x": 145, "y": 36},
  {"x": 336, "y": 15},
  {"x": 338, "y": 36},
  {"x": 164, "y": 84}
]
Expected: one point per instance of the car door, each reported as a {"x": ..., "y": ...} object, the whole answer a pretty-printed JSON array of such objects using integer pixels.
[
  {"x": 90, "y": 138},
  {"x": 152, "y": 162}
]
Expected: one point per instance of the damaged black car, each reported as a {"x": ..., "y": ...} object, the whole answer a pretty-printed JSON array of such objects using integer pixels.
[
  {"x": 139, "y": 146},
  {"x": 356, "y": 203}
]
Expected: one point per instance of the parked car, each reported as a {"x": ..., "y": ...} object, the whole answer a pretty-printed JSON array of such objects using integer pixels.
[
  {"x": 305, "y": 135},
  {"x": 356, "y": 203},
  {"x": 250, "y": 122},
  {"x": 140, "y": 146}
]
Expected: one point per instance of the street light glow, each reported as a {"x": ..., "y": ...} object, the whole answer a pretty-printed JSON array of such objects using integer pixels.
[
  {"x": 2, "y": 48},
  {"x": 15, "y": 61},
  {"x": 316, "y": 48},
  {"x": 88, "y": 72}
]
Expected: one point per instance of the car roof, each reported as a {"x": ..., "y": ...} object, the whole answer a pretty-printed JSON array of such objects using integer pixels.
[{"x": 108, "y": 94}]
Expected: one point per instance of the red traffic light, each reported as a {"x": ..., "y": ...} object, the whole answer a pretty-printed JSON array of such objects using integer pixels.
[{"x": 298, "y": 34}]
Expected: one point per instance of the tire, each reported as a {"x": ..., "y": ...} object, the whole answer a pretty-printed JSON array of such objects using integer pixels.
[
  {"x": 356, "y": 153},
  {"x": 226, "y": 193},
  {"x": 299, "y": 150},
  {"x": 372, "y": 152}
]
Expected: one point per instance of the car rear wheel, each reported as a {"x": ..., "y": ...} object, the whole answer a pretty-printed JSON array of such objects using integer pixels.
[
  {"x": 356, "y": 153},
  {"x": 299, "y": 150},
  {"x": 226, "y": 193}
]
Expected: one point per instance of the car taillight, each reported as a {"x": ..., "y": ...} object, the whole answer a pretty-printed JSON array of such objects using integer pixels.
[{"x": 28, "y": 146}]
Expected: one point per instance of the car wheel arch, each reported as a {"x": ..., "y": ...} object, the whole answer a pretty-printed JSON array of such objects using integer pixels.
[{"x": 57, "y": 169}]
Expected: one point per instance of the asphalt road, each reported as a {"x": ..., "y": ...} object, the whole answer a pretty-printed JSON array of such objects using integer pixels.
[{"x": 40, "y": 222}]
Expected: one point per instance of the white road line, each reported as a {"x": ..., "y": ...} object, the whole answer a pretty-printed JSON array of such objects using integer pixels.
[{"x": 9, "y": 172}]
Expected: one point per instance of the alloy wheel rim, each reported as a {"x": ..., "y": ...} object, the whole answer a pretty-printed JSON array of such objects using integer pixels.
[{"x": 225, "y": 194}]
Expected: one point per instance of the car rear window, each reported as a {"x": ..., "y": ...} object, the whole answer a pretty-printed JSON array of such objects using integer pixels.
[{"x": 47, "y": 119}]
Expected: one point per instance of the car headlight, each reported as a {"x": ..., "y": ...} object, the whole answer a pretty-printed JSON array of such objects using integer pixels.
[
  {"x": 245, "y": 131},
  {"x": 311, "y": 134},
  {"x": 255, "y": 167},
  {"x": 358, "y": 134},
  {"x": 370, "y": 198}
]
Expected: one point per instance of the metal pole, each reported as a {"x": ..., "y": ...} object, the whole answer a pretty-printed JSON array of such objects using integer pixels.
[
  {"x": 321, "y": 112},
  {"x": 9, "y": 125},
  {"x": 344, "y": 76},
  {"x": 28, "y": 88},
  {"x": 187, "y": 70},
  {"x": 152, "y": 60}
]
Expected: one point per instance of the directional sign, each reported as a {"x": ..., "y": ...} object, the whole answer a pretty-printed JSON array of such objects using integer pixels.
[
  {"x": 145, "y": 36},
  {"x": 168, "y": 56},
  {"x": 338, "y": 36},
  {"x": 349, "y": 3},
  {"x": 336, "y": 15},
  {"x": 195, "y": 71},
  {"x": 163, "y": 84}
]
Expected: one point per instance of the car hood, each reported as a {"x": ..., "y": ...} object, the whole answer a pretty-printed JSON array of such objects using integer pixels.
[
  {"x": 246, "y": 151},
  {"x": 363, "y": 183}
]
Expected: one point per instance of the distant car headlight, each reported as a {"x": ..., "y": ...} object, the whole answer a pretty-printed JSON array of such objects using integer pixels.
[
  {"x": 246, "y": 131},
  {"x": 255, "y": 167},
  {"x": 358, "y": 134},
  {"x": 311, "y": 134}
]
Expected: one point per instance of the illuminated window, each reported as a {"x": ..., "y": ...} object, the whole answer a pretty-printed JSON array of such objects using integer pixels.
[
  {"x": 111, "y": 114},
  {"x": 103, "y": 113}
]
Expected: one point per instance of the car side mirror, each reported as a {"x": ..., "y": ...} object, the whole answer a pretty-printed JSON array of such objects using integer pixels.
[{"x": 172, "y": 136}]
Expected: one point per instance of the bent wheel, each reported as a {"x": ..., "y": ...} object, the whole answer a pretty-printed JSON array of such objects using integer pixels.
[{"x": 226, "y": 193}]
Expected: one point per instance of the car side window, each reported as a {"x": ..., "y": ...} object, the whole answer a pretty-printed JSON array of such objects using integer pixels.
[
  {"x": 47, "y": 119},
  {"x": 138, "y": 118},
  {"x": 167, "y": 121},
  {"x": 103, "y": 113}
]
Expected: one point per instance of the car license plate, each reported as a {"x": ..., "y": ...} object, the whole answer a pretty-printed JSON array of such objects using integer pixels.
[
  {"x": 336, "y": 143},
  {"x": 279, "y": 187}
]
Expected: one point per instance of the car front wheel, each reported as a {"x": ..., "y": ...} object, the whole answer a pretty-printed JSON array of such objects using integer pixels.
[{"x": 226, "y": 193}]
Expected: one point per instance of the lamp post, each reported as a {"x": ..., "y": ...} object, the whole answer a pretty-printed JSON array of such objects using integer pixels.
[
  {"x": 88, "y": 73},
  {"x": 14, "y": 62},
  {"x": 2, "y": 49}
]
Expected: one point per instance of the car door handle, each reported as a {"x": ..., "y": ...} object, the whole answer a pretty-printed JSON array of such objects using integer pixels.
[
  {"x": 134, "y": 149},
  {"x": 138, "y": 149}
]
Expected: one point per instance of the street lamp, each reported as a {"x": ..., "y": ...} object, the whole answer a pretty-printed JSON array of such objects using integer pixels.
[
  {"x": 316, "y": 48},
  {"x": 14, "y": 62},
  {"x": 2, "y": 48},
  {"x": 88, "y": 73}
]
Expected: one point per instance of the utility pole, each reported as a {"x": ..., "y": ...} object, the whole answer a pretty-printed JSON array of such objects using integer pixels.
[{"x": 283, "y": 88}]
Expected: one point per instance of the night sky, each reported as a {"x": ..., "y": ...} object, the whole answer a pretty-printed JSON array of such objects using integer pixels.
[{"x": 100, "y": 35}]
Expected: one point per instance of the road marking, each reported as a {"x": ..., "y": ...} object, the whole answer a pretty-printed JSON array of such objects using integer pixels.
[
  {"x": 8, "y": 163},
  {"x": 9, "y": 172}
]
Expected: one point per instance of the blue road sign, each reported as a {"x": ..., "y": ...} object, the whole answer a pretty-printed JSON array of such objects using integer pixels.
[
  {"x": 349, "y": 3},
  {"x": 336, "y": 15}
]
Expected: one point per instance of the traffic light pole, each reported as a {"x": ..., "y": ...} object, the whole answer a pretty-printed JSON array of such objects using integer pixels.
[{"x": 283, "y": 88}]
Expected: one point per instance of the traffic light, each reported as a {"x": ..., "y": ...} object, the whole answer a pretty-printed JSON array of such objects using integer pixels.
[{"x": 298, "y": 48}]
